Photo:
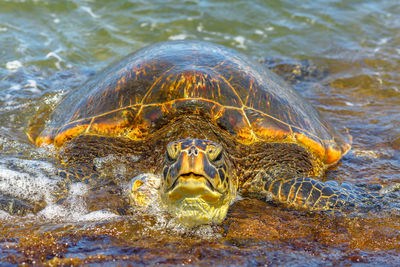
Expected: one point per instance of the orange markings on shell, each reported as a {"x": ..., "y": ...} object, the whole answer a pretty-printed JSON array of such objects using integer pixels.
[
  {"x": 44, "y": 140},
  {"x": 139, "y": 132},
  {"x": 246, "y": 136},
  {"x": 333, "y": 154},
  {"x": 174, "y": 79},
  {"x": 313, "y": 145},
  {"x": 120, "y": 84},
  {"x": 167, "y": 108},
  {"x": 217, "y": 111},
  {"x": 270, "y": 134},
  {"x": 266, "y": 127},
  {"x": 68, "y": 134},
  {"x": 107, "y": 129}
]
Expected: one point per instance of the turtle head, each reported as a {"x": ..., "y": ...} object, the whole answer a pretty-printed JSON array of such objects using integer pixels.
[{"x": 197, "y": 185}]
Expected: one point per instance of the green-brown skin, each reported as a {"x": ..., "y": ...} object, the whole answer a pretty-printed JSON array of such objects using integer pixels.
[
  {"x": 198, "y": 184},
  {"x": 223, "y": 122}
]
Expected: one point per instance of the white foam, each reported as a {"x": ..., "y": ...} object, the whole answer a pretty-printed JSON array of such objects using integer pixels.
[
  {"x": 151, "y": 25},
  {"x": 57, "y": 57},
  {"x": 178, "y": 37},
  {"x": 98, "y": 215},
  {"x": 269, "y": 29},
  {"x": 72, "y": 213},
  {"x": 53, "y": 211},
  {"x": 74, "y": 208},
  {"x": 237, "y": 198},
  {"x": 135, "y": 158},
  {"x": 206, "y": 232},
  {"x": 111, "y": 163},
  {"x": 90, "y": 12},
  {"x": 76, "y": 191},
  {"x": 383, "y": 41},
  {"x": 240, "y": 40},
  {"x": 15, "y": 87},
  {"x": 366, "y": 153},
  {"x": 35, "y": 180},
  {"x": 4, "y": 215},
  {"x": 200, "y": 27},
  {"x": 52, "y": 100},
  {"x": 13, "y": 65},
  {"x": 100, "y": 162},
  {"x": 54, "y": 54},
  {"x": 31, "y": 86},
  {"x": 56, "y": 20},
  {"x": 27, "y": 179},
  {"x": 259, "y": 32},
  {"x": 71, "y": 209},
  {"x": 167, "y": 224}
]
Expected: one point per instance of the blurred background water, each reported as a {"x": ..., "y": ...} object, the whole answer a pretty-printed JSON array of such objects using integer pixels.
[{"x": 51, "y": 47}]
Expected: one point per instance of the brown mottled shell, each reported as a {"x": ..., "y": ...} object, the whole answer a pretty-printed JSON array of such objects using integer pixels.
[{"x": 142, "y": 93}]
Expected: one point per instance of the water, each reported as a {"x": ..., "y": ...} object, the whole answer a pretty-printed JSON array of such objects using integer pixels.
[{"x": 51, "y": 47}]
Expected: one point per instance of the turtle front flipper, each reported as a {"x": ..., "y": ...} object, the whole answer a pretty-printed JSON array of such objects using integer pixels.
[
  {"x": 302, "y": 192},
  {"x": 18, "y": 207},
  {"x": 143, "y": 191},
  {"x": 100, "y": 191}
]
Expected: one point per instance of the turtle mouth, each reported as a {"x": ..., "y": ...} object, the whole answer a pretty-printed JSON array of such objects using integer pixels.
[
  {"x": 191, "y": 175},
  {"x": 192, "y": 185}
]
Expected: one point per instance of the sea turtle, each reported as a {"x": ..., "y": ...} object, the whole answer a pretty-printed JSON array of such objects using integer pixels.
[{"x": 210, "y": 121}]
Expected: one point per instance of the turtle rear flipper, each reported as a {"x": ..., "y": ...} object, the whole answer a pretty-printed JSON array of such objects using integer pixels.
[{"x": 295, "y": 71}]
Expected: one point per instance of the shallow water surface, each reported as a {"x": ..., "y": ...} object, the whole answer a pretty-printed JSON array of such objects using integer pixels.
[{"x": 52, "y": 47}]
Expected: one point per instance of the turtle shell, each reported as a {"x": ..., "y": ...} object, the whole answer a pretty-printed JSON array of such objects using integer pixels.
[{"x": 142, "y": 93}]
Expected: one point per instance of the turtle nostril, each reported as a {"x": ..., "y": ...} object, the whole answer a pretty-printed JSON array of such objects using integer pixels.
[{"x": 193, "y": 151}]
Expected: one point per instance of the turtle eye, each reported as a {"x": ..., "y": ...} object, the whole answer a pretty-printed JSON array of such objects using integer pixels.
[
  {"x": 215, "y": 154},
  {"x": 169, "y": 158},
  {"x": 219, "y": 156},
  {"x": 172, "y": 152}
]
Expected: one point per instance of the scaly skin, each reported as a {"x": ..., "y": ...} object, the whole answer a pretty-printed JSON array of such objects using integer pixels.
[
  {"x": 302, "y": 192},
  {"x": 198, "y": 185}
]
